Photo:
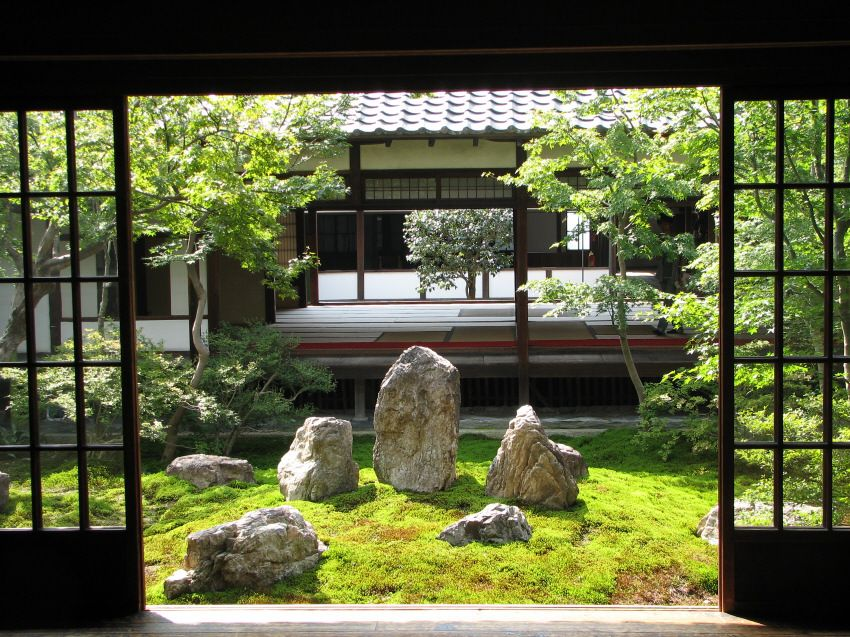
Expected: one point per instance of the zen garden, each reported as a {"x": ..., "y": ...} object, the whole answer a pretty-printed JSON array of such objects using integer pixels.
[{"x": 273, "y": 474}]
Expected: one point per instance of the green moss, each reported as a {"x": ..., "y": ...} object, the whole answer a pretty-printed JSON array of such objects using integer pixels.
[{"x": 635, "y": 517}]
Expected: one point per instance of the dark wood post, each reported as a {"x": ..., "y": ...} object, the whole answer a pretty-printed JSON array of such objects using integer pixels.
[
  {"x": 356, "y": 185},
  {"x": 312, "y": 241},
  {"x": 521, "y": 278},
  {"x": 213, "y": 290}
]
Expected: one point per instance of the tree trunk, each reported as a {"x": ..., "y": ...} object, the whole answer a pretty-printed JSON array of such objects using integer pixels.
[
  {"x": 622, "y": 331},
  {"x": 173, "y": 426},
  {"x": 106, "y": 290},
  {"x": 470, "y": 286}
]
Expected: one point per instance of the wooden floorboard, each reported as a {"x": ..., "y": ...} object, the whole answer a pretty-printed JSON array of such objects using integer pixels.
[{"x": 434, "y": 621}]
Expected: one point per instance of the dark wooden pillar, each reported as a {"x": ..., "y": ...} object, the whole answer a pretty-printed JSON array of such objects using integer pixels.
[
  {"x": 300, "y": 247},
  {"x": 312, "y": 240},
  {"x": 355, "y": 183},
  {"x": 521, "y": 278},
  {"x": 360, "y": 227}
]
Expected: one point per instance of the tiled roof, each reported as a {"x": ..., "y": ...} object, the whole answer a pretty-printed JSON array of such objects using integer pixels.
[{"x": 453, "y": 113}]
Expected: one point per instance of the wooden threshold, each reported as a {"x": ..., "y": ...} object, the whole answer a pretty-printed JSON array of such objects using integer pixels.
[{"x": 436, "y": 621}]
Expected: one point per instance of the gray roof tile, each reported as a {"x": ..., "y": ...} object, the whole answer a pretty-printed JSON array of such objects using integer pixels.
[{"x": 452, "y": 113}]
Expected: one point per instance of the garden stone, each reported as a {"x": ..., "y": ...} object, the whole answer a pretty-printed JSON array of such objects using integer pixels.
[
  {"x": 417, "y": 419},
  {"x": 530, "y": 468},
  {"x": 318, "y": 463},
  {"x": 494, "y": 524},
  {"x": 204, "y": 470},
  {"x": 574, "y": 460},
  {"x": 5, "y": 481},
  {"x": 259, "y": 549},
  {"x": 758, "y": 513}
]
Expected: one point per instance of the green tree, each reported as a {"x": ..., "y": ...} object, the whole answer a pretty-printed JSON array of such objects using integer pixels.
[
  {"x": 50, "y": 221},
  {"x": 448, "y": 245},
  {"x": 256, "y": 379},
  {"x": 631, "y": 175},
  {"x": 214, "y": 173}
]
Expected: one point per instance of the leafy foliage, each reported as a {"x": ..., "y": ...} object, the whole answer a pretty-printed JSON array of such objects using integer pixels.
[
  {"x": 448, "y": 245},
  {"x": 162, "y": 387},
  {"x": 256, "y": 381},
  {"x": 631, "y": 174}
]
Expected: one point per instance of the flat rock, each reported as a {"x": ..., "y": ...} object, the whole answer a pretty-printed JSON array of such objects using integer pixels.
[
  {"x": 255, "y": 551},
  {"x": 5, "y": 482},
  {"x": 530, "y": 468},
  {"x": 494, "y": 524},
  {"x": 319, "y": 462},
  {"x": 417, "y": 422},
  {"x": 204, "y": 470}
]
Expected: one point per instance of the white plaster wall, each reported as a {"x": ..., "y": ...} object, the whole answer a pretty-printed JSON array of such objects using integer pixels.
[
  {"x": 337, "y": 286},
  {"x": 591, "y": 275},
  {"x": 339, "y": 162},
  {"x": 398, "y": 284},
  {"x": 502, "y": 285},
  {"x": 445, "y": 153},
  {"x": 459, "y": 292},
  {"x": 180, "y": 287}
]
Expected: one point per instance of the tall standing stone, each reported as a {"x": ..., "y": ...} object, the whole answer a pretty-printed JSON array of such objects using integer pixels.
[
  {"x": 417, "y": 422},
  {"x": 318, "y": 463},
  {"x": 530, "y": 468}
]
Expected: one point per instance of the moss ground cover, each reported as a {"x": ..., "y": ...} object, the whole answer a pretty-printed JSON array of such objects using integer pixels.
[{"x": 628, "y": 539}]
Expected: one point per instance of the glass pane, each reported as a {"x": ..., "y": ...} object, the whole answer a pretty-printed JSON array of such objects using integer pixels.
[
  {"x": 802, "y": 484},
  {"x": 106, "y": 488},
  {"x": 804, "y": 229},
  {"x": 805, "y": 141},
  {"x": 802, "y": 408},
  {"x": 14, "y": 408},
  {"x": 10, "y": 163},
  {"x": 48, "y": 157},
  {"x": 57, "y": 405},
  {"x": 754, "y": 402},
  {"x": 841, "y": 402},
  {"x": 97, "y": 236},
  {"x": 13, "y": 344},
  {"x": 803, "y": 321},
  {"x": 755, "y": 227},
  {"x": 755, "y": 142},
  {"x": 11, "y": 238},
  {"x": 754, "y": 487},
  {"x": 60, "y": 489},
  {"x": 841, "y": 233},
  {"x": 754, "y": 316},
  {"x": 103, "y": 403},
  {"x": 842, "y": 141},
  {"x": 51, "y": 246},
  {"x": 841, "y": 487},
  {"x": 54, "y": 334},
  {"x": 15, "y": 490},
  {"x": 99, "y": 303},
  {"x": 95, "y": 150}
]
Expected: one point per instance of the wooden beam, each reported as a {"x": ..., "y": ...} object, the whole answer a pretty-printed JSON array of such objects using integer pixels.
[
  {"x": 213, "y": 290},
  {"x": 360, "y": 228}
]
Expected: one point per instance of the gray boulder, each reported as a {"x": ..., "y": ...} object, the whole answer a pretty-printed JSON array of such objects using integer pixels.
[
  {"x": 574, "y": 460},
  {"x": 318, "y": 463},
  {"x": 5, "y": 482},
  {"x": 416, "y": 422},
  {"x": 204, "y": 470},
  {"x": 530, "y": 468},
  {"x": 708, "y": 528},
  {"x": 259, "y": 549},
  {"x": 494, "y": 524}
]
